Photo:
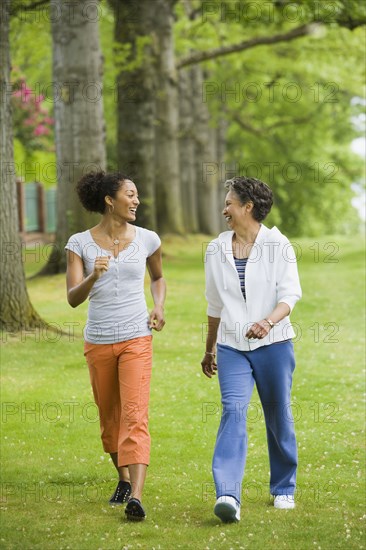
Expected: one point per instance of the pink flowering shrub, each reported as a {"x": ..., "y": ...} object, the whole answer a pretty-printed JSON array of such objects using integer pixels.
[{"x": 32, "y": 123}]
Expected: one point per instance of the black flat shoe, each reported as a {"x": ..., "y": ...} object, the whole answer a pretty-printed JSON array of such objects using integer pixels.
[
  {"x": 134, "y": 510},
  {"x": 121, "y": 494}
]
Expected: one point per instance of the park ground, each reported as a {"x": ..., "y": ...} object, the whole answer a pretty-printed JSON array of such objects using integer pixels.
[{"x": 56, "y": 480}]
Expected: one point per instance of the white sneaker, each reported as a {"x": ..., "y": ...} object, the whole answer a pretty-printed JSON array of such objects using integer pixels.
[
  {"x": 227, "y": 509},
  {"x": 285, "y": 502}
]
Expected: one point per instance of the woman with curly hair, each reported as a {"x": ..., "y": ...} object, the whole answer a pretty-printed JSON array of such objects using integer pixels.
[
  {"x": 106, "y": 264},
  {"x": 252, "y": 285}
]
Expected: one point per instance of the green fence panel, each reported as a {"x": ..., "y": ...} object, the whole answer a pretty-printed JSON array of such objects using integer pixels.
[
  {"x": 50, "y": 210},
  {"x": 31, "y": 207}
]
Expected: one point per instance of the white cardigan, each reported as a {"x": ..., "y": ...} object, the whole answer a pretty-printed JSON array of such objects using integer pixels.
[{"x": 270, "y": 277}]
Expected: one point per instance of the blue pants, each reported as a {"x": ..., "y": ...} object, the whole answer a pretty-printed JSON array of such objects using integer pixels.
[{"x": 270, "y": 368}]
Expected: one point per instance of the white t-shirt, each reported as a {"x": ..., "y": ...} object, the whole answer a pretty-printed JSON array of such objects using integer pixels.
[{"x": 117, "y": 308}]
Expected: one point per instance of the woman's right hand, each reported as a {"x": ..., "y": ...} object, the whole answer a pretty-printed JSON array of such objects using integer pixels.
[
  {"x": 208, "y": 364},
  {"x": 101, "y": 265}
]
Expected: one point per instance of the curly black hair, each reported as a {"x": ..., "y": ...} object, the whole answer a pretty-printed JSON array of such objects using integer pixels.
[
  {"x": 93, "y": 187},
  {"x": 252, "y": 190}
]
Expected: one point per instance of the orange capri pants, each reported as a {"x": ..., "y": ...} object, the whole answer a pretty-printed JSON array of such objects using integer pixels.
[{"x": 120, "y": 376}]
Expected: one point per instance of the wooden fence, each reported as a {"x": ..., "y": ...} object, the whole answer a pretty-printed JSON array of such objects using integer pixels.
[{"x": 36, "y": 208}]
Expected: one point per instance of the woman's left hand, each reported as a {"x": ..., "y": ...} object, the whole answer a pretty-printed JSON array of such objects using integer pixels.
[
  {"x": 156, "y": 318},
  {"x": 259, "y": 330}
]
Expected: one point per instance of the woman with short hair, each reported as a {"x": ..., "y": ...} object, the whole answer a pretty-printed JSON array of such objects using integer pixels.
[{"x": 252, "y": 285}]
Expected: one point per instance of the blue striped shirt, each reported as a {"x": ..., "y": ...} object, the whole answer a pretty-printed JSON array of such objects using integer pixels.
[{"x": 240, "y": 265}]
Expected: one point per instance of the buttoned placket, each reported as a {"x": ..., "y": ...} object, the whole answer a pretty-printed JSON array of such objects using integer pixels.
[{"x": 115, "y": 274}]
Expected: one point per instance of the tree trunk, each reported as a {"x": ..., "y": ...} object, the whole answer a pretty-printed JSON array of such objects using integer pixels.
[
  {"x": 79, "y": 119},
  {"x": 187, "y": 152},
  {"x": 16, "y": 311},
  {"x": 221, "y": 132},
  {"x": 168, "y": 189},
  {"x": 207, "y": 169},
  {"x": 148, "y": 110},
  {"x": 134, "y": 27}
]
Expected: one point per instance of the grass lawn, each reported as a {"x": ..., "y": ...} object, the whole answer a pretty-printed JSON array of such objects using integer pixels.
[{"x": 56, "y": 480}]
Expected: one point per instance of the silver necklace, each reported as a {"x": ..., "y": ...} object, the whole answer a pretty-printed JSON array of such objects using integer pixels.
[{"x": 116, "y": 241}]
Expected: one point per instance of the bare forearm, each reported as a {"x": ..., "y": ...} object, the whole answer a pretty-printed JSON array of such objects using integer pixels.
[
  {"x": 211, "y": 337},
  {"x": 78, "y": 294},
  {"x": 261, "y": 328},
  {"x": 158, "y": 291},
  {"x": 279, "y": 312}
]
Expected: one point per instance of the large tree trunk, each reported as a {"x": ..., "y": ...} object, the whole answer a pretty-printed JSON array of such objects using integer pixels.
[
  {"x": 134, "y": 27},
  {"x": 16, "y": 311},
  {"x": 168, "y": 190},
  {"x": 187, "y": 152},
  {"x": 148, "y": 110},
  {"x": 79, "y": 119}
]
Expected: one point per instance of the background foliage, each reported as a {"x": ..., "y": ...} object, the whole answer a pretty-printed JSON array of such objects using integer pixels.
[{"x": 291, "y": 109}]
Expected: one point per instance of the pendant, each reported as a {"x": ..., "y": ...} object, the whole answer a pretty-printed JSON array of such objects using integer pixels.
[{"x": 116, "y": 241}]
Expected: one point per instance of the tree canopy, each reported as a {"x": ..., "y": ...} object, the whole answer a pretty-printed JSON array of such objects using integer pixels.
[{"x": 282, "y": 82}]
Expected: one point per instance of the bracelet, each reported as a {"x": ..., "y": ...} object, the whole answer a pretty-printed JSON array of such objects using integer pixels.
[
  {"x": 210, "y": 353},
  {"x": 270, "y": 322}
]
